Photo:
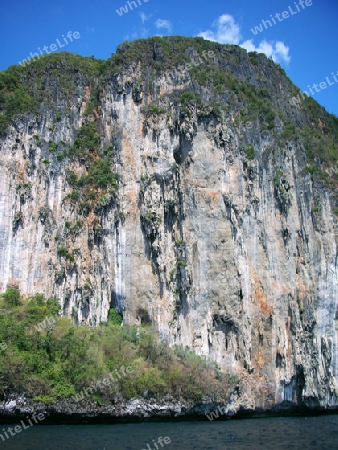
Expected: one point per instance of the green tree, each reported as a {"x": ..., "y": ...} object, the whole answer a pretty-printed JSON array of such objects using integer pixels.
[{"x": 11, "y": 296}]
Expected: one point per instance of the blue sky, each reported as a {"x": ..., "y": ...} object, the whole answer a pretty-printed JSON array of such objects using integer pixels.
[{"x": 304, "y": 41}]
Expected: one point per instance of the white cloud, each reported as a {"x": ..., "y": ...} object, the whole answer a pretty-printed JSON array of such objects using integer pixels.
[
  {"x": 144, "y": 17},
  {"x": 282, "y": 51},
  {"x": 163, "y": 24},
  {"x": 278, "y": 51},
  {"x": 226, "y": 31}
]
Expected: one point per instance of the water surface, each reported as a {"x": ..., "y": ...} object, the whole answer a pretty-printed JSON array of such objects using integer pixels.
[{"x": 282, "y": 433}]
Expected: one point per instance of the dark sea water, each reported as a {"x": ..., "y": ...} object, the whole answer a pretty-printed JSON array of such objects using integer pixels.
[{"x": 305, "y": 433}]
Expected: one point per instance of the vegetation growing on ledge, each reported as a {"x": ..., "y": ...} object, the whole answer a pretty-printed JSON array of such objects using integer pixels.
[
  {"x": 60, "y": 360},
  {"x": 249, "y": 152},
  {"x": 64, "y": 253},
  {"x": 153, "y": 110},
  {"x": 99, "y": 179}
]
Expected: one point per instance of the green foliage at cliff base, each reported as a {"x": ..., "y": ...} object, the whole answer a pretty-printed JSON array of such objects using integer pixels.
[{"x": 61, "y": 360}]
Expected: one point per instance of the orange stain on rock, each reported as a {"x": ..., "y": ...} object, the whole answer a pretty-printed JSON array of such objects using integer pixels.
[
  {"x": 212, "y": 197},
  {"x": 259, "y": 295},
  {"x": 259, "y": 359}
]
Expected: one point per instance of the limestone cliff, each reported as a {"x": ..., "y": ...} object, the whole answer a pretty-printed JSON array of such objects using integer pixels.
[{"x": 215, "y": 221}]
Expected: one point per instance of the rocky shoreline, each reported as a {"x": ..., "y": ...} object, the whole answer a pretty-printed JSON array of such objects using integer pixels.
[{"x": 68, "y": 412}]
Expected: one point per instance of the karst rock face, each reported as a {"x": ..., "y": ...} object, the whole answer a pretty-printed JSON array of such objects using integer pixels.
[{"x": 232, "y": 255}]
